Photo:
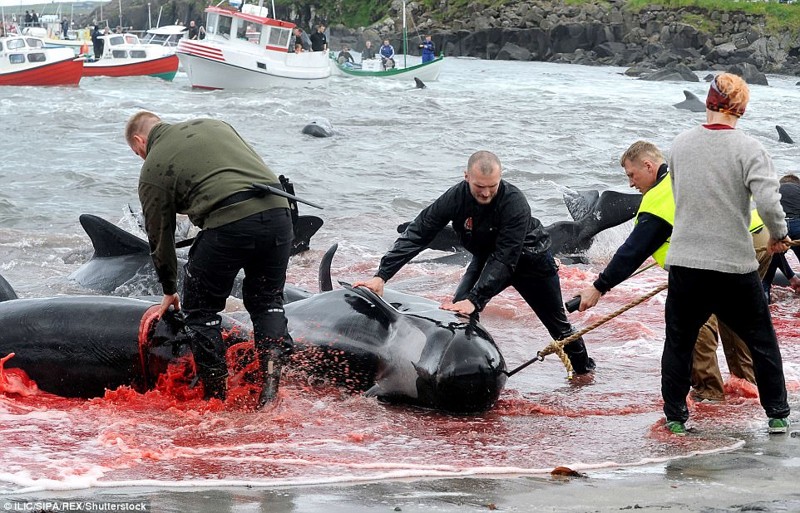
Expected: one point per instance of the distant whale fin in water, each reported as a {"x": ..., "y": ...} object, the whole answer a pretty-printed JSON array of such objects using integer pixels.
[
  {"x": 783, "y": 136},
  {"x": 419, "y": 83},
  {"x": 692, "y": 103},
  {"x": 110, "y": 240},
  {"x": 445, "y": 240},
  {"x": 324, "y": 273},
  {"x": 6, "y": 290}
]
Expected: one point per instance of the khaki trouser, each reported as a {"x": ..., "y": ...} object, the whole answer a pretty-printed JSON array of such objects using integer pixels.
[{"x": 706, "y": 378}]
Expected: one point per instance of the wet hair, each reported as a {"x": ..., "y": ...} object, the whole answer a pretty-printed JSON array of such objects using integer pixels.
[
  {"x": 641, "y": 150},
  {"x": 484, "y": 162},
  {"x": 140, "y": 124},
  {"x": 790, "y": 178}
]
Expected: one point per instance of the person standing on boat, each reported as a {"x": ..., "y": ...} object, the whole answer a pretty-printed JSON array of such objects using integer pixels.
[
  {"x": 64, "y": 29},
  {"x": 205, "y": 169},
  {"x": 716, "y": 165},
  {"x": 428, "y": 50},
  {"x": 319, "y": 43},
  {"x": 508, "y": 246},
  {"x": 97, "y": 42},
  {"x": 387, "y": 54},
  {"x": 368, "y": 52},
  {"x": 28, "y": 19},
  {"x": 192, "y": 33},
  {"x": 300, "y": 38}
]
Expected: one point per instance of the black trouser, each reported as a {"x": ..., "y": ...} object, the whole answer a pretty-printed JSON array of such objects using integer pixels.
[
  {"x": 536, "y": 280},
  {"x": 738, "y": 300},
  {"x": 260, "y": 244}
]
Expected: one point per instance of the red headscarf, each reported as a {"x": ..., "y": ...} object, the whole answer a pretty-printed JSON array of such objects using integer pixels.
[{"x": 719, "y": 101}]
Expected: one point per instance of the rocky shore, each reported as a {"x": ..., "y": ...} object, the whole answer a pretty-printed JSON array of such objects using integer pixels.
[{"x": 670, "y": 41}]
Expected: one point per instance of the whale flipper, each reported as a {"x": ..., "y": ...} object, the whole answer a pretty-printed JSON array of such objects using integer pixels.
[
  {"x": 692, "y": 103},
  {"x": 304, "y": 229},
  {"x": 783, "y": 136},
  {"x": 388, "y": 311}
]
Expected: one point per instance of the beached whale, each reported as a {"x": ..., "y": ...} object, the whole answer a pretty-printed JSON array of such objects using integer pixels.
[
  {"x": 121, "y": 263},
  {"x": 691, "y": 102},
  {"x": 401, "y": 348},
  {"x": 320, "y": 127},
  {"x": 591, "y": 211}
]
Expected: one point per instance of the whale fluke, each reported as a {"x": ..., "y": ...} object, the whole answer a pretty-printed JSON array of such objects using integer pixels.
[
  {"x": 692, "y": 103},
  {"x": 783, "y": 136}
]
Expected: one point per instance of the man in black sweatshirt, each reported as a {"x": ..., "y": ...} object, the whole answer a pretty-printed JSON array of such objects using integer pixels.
[{"x": 508, "y": 246}]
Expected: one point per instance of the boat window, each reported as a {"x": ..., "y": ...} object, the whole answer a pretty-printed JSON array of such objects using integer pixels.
[
  {"x": 211, "y": 23},
  {"x": 16, "y": 43},
  {"x": 116, "y": 40},
  {"x": 138, "y": 54},
  {"x": 131, "y": 39},
  {"x": 119, "y": 54},
  {"x": 279, "y": 37},
  {"x": 254, "y": 33},
  {"x": 241, "y": 29},
  {"x": 35, "y": 43},
  {"x": 16, "y": 58},
  {"x": 1, "y": 46},
  {"x": 224, "y": 26},
  {"x": 37, "y": 57}
]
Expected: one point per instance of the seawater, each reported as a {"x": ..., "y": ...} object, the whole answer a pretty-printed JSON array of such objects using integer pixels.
[{"x": 396, "y": 148}]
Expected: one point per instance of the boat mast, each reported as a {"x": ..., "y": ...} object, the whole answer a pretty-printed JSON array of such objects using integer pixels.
[{"x": 405, "y": 35}]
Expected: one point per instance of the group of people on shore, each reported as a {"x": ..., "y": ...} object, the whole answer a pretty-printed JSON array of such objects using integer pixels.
[{"x": 713, "y": 255}]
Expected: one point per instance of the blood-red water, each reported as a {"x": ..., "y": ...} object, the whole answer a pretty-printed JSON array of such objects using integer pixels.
[{"x": 317, "y": 432}]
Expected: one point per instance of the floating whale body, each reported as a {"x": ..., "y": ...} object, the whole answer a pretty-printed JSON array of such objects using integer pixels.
[{"x": 318, "y": 128}]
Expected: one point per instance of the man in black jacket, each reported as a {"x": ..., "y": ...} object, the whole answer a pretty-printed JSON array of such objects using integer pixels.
[
  {"x": 319, "y": 42},
  {"x": 508, "y": 246}
]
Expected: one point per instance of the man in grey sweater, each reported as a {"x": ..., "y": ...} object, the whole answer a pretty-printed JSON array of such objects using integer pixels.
[{"x": 715, "y": 171}]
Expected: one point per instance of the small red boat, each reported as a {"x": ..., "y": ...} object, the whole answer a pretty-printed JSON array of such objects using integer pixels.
[
  {"x": 125, "y": 56},
  {"x": 24, "y": 61}
]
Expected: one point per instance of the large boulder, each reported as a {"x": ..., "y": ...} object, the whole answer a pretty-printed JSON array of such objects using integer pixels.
[
  {"x": 749, "y": 73},
  {"x": 673, "y": 73},
  {"x": 512, "y": 52}
]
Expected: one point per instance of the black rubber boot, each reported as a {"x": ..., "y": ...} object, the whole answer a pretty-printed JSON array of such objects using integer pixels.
[{"x": 578, "y": 356}]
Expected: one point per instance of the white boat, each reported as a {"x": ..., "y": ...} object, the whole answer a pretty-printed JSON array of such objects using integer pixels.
[
  {"x": 401, "y": 69},
  {"x": 168, "y": 35},
  {"x": 24, "y": 61},
  {"x": 247, "y": 49},
  {"x": 124, "y": 56}
]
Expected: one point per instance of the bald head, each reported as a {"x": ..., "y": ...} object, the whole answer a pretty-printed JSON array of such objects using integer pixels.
[
  {"x": 483, "y": 176},
  {"x": 484, "y": 162}
]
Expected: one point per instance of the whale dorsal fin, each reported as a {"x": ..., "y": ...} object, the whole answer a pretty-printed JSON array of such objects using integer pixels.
[
  {"x": 783, "y": 136},
  {"x": 324, "y": 273},
  {"x": 6, "y": 290},
  {"x": 385, "y": 308},
  {"x": 110, "y": 240}
]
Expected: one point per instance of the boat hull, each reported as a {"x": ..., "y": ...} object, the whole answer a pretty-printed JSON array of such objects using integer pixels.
[
  {"x": 66, "y": 72},
  {"x": 427, "y": 72},
  {"x": 217, "y": 67},
  {"x": 162, "y": 67}
]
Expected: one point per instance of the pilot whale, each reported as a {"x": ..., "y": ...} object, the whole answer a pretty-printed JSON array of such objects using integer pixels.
[
  {"x": 121, "y": 261},
  {"x": 318, "y": 128},
  {"x": 399, "y": 348},
  {"x": 691, "y": 102}
]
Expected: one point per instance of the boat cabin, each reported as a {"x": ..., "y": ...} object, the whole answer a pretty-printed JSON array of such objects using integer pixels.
[
  {"x": 19, "y": 50},
  {"x": 123, "y": 46},
  {"x": 168, "y": 35},
  {"x": 251, "y": 24}
]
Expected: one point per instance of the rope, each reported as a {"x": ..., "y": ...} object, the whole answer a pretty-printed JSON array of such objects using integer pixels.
[{"x": 557, "y": 346}]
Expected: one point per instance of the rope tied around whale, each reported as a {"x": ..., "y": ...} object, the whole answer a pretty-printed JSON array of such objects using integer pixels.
[{"x": 557, "y": 346}]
